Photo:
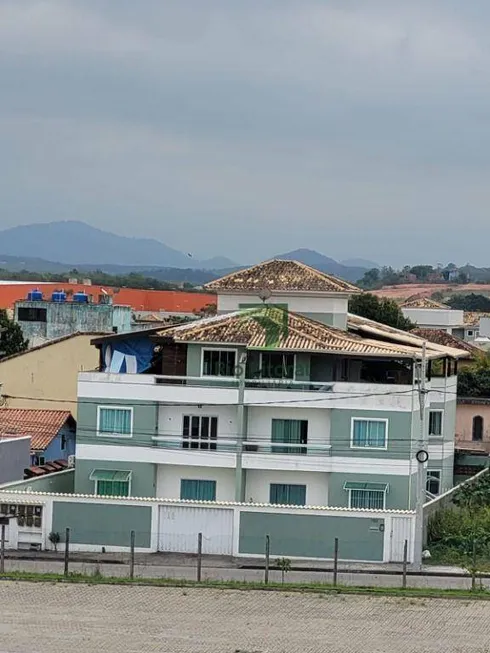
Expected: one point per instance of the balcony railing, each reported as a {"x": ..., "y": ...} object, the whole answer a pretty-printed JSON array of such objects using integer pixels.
[
  {"x": 230, "y": 382},
  {"x": 222, "y": 445}
]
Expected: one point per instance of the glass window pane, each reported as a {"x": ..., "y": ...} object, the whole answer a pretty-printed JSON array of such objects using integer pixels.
[
  {"x": 285, "y": 494},
  {"x": 197, "y": 490},
  {"x": 115, "y": 421},
  {"x": 369, "y": 434}
]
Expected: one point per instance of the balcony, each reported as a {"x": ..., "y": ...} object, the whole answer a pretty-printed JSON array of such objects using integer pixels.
[
  {"x": 188, "y": 390},
  {"x": 257, "y": 454}
]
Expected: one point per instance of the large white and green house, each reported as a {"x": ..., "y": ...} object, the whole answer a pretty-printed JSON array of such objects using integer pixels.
[{"x": 282, "y": 398}]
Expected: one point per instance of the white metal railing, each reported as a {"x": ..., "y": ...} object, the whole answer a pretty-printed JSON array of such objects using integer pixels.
[
  {"x": 233, "y": 382},
  {"x": 227, "y": 445}
]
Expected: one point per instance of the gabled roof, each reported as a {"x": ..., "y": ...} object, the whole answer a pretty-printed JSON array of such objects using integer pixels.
[
  {"x": 281, "y": 276},
  {"x": 416, "y": 301},
  {"x": 41, "y": 425},
  {"x": 441, "y": 337},
  {"x": 270, "y": 327},
  {"x": 472, "y": 318}
]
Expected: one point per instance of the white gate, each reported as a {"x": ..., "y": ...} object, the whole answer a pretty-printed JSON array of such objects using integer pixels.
[
  {"x": 402, "y": 528},
  {"x": 179, "y": 527}
]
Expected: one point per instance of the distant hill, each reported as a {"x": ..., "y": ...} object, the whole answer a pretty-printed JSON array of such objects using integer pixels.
[
  {"x": 360, "y": 263},
  {"x": 68, "y": 241},
  {"x": 325, "y": 264}
]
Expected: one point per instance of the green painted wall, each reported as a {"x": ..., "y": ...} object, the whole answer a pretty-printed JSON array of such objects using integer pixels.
[
  {"x": 103, "y": 524},
  {"x": 145, "y": 422},
  {"x": 397, "y": 496},
  {"x": 311, "y": 536},
  {"x": 59, "y": 482},
  {"x": 143, "y": 480},
  {"x": 399, "y": 433}
]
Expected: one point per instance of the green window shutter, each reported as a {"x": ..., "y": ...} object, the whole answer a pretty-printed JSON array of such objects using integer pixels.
[
  {"x": 111, "y": 483},
  {"x": 293, "y": 431},
  {"x": 115, "y": 421},
  {"x": 197, "y": 490},
  {"x": 284, "y": 494}
]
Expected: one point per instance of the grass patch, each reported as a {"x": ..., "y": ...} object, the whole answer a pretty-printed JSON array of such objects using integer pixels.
[{"x": 316, "y": 588}]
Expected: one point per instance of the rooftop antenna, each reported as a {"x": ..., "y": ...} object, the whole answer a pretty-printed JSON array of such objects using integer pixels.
[{"x": 265, "y": 295}]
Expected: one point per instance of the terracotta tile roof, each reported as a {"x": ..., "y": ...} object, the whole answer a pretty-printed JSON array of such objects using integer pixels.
[
  {"x": 42, "y": 425},
  {"x": 472, "y": 318},
  {"x": 281, "y": 276},
  {"x": 370, "y": 328},
  {"x": 441, "y": 337},
  {"x": 272, "y": 327},
  {"x": 423, "y": 302}
]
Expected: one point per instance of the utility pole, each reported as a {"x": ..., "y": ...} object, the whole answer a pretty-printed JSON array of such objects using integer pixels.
[
  {"x": 422, "y": 456},
  {"x": 240, "y": 428}
]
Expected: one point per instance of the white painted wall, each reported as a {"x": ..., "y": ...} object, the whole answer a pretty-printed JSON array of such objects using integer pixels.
[
  {"x": 170, "y": 419},
  {"x": 257, "y": 488},
  {"x": 296, "y": 303},
  {"x": 169, "y": 477},
  {"x": 260, "y": 422},
  {"x": 434, "y": 317}
]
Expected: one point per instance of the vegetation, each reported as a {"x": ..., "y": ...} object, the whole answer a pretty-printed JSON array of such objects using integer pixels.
[
  {"x": 381, "y": 310},
  {"x": 55, "y": 539},
  {"x": 461, "y": 534},
  {"x": 474, "y": 381},
  {"x": 388, "y": 276},
  {"x": 322, "y": 589},
  {"x": 12, "y": 340},
  {"x": 131, "y": 280},
  {"x": 470, "y": 302},
  {"x": 284, "y": 564}
]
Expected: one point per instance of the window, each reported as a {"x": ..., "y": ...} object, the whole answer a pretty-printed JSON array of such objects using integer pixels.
[
  {"x": 63, "y": 441},
  {"x": 218, "y": 362},
  {"x": 289, "y": 495},
  {"x": 38, "y": 460},
  {"x": 290, "y": 431},
  {"x": 366, "y": 495},
  {"x": 435, "y": 422},
  {"x": 111, "y": 483},
  {"x": 32, "y": 315},
  {"x": 369, "y": 433},
  {"x": 433, "y": 484},
  {"x": 477, "y": 432},
  {"x": 195, "y": 490},
  {"x": 115, "y": 422},
  {"x": 469, "y": 333},
  {"x": 199, "y": 432},
  {"x": 277, "y": 366}
]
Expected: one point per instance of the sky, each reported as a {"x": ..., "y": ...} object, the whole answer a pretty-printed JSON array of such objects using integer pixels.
[{"x": 246, "y": 128}]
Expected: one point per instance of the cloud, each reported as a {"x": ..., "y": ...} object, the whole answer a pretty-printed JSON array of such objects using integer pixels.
[{"x": 248, "y": 128}]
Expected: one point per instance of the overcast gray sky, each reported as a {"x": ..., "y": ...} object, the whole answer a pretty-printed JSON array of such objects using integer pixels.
[{"x": 251, "y": 127}]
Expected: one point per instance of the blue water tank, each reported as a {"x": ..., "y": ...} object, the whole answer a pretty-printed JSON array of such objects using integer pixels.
[
  {"x": 35, "y": 296},
  {"x": 80, "y": 298},
  {"x": 59, "y": 296}
]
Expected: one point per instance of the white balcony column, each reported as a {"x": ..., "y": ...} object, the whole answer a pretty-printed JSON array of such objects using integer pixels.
[{"x": 241, "y": 426}]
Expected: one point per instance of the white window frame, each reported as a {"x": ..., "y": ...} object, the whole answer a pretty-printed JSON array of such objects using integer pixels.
[
  {"x": 356, "y": 508},
  {"x": 368, "y": 419},
  {"x": 211, "y": 376},
  {"x": 429, "y": 474},
  {"x": 115, "y": 435},
  {"x": 113, "y": 470},
  {"x": 261, "y": 365},
  {"x": 199, "y": 440},
  {"x": 436, "y": 435}
]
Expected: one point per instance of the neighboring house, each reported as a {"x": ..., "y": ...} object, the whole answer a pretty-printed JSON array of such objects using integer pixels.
[
  {"x": 52, "y": 432},
  {"x": 43, "y": 318},
  {"x": 473, "y": 423},
  {"x": 46, "y": 376},
  {"x": 441, "y": 337},
  {"x": 293, "y": 401},
  {"x": 15, "y": 457},
  {"x": 428, "y": 314}
]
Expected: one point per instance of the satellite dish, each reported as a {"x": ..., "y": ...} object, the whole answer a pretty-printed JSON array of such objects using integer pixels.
[{"x": 265, "y": 294}]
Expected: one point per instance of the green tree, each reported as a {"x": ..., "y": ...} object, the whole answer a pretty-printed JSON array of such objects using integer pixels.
[
  {"x": 12, "y": 340},
  {"x": 470, "y": 302},
  {"x": 422, "y": 271},
  {"x": 381, "y": 310},
  {"x": 371, "y": 279}
]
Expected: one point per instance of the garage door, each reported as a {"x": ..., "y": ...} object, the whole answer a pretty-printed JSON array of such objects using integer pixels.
[{"x": 180, "y": 526}]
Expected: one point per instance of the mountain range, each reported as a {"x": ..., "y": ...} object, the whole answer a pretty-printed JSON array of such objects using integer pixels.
[{"x": 61, "y": 246}]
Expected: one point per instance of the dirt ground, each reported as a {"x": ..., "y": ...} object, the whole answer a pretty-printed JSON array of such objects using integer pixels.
[
  {"x": 50, "y": 618},
  {"x": 405, "y": 291}
]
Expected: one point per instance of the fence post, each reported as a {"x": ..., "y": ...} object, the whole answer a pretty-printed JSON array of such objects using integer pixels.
[
  {"x": 67, "y": 550},
  {"x": 131, "y": 560},
  {"x": 405, "y": 560},
  {"x": 199, "y": 557},
  {"x": 2, "y": 551},
  {"x": 473, "y": 566},
  {"x": 267, "y": 558},
  {"x": 335, "y": 561}
]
